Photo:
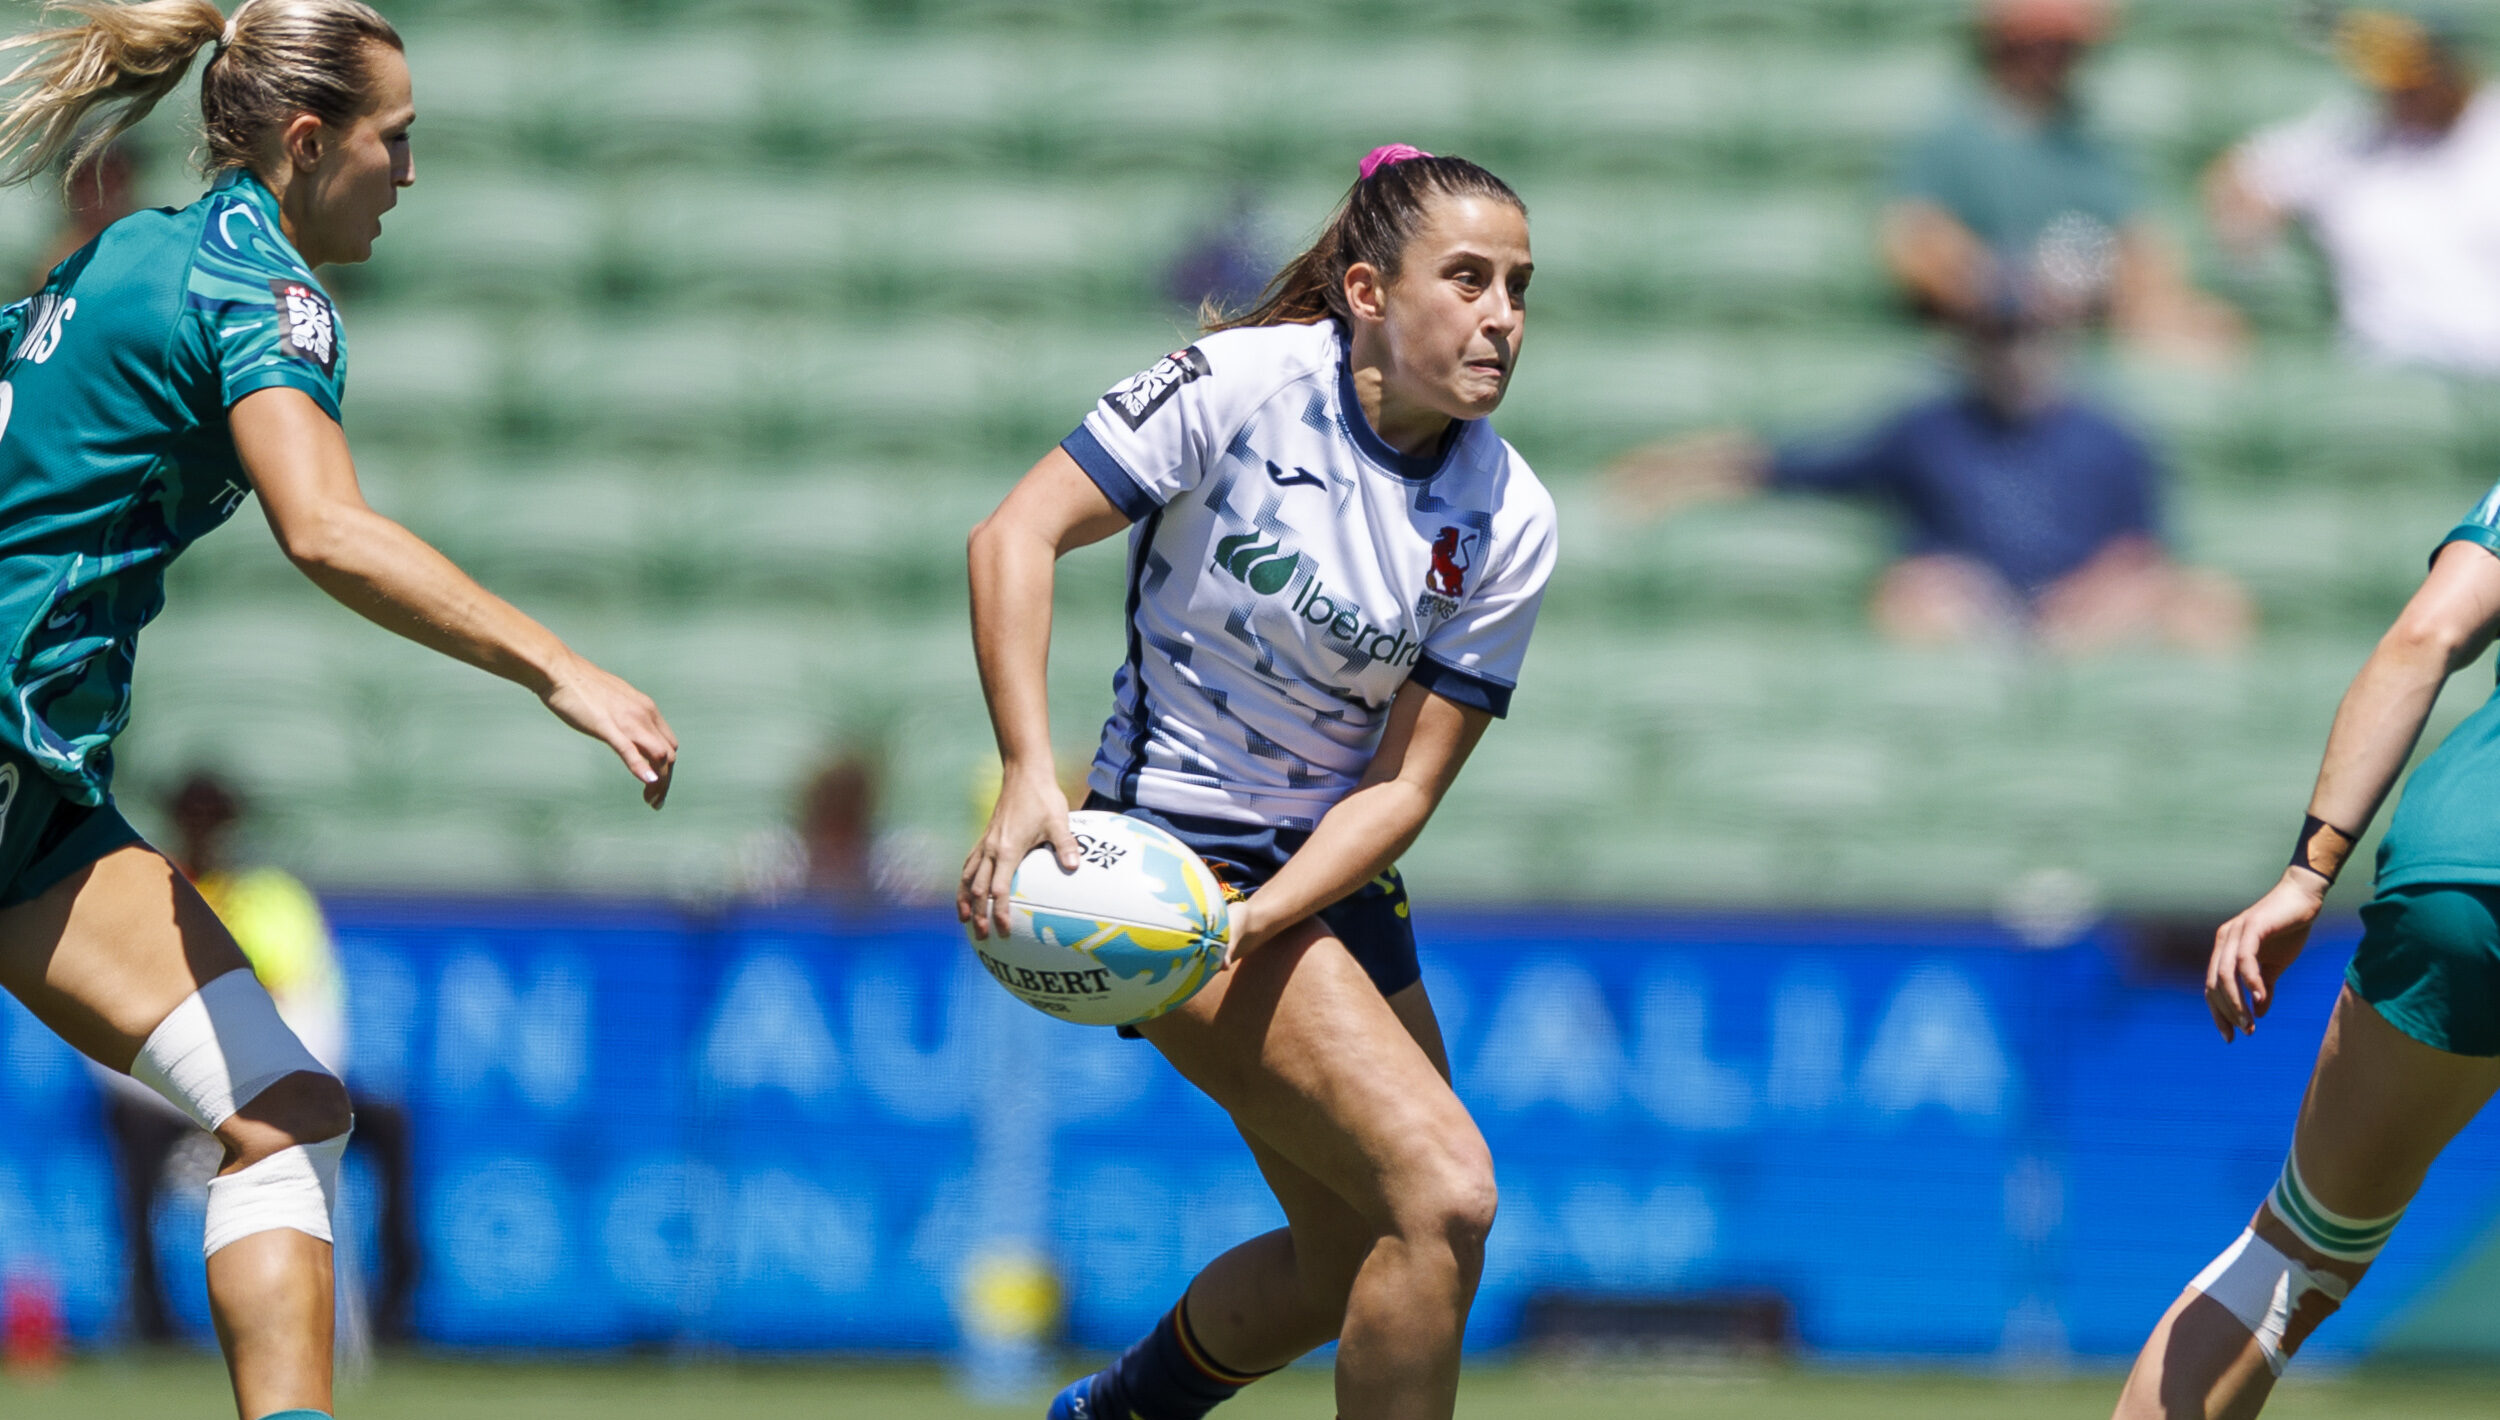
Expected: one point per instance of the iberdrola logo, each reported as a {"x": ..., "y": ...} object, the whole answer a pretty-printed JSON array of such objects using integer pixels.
[{"x": 1264, "y": 566}]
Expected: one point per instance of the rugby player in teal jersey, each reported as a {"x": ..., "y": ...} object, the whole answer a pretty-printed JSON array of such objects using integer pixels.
[
  {"x": 2412, "y": 1051},
  {"x": 177, "y": 365}
]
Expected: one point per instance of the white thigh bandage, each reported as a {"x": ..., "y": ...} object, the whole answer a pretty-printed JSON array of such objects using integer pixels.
[
  {"x": 292, "y": 1188},
  {"x": 221, "y": 1047},
  {"x": 2255, "y": 1282}
]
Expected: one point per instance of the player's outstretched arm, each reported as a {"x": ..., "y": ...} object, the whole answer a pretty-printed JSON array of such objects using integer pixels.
[
  {"x": 298, "y": 461},
  {"x": 1422, "y": 748},
  {"x": 1013, "y": 557},
  {"x": 2446, "y": 626}
]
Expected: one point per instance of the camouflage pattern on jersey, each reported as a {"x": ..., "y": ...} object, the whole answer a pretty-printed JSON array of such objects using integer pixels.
[{"x": 115, "y": 453}]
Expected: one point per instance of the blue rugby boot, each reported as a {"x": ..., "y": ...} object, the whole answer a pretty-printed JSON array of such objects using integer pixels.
[{"x": 1076, "y": 1402}]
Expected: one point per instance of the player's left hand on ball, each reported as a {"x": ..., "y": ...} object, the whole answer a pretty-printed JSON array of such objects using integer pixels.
[
  {"x": 612, "y": 712},
  {"x": 2252, "y": 950}
]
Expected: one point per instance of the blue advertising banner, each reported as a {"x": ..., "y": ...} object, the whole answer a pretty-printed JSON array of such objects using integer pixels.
[{"x": 776, "y": 1131}]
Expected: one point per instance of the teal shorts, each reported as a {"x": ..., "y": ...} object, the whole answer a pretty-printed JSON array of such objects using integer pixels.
[
  {"x": 45, "y": 836},
  {"x": 2429, "y": 961}
]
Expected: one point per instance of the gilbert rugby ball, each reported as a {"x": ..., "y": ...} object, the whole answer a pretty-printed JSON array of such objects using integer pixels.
[{"x": 1135, "y": 931}]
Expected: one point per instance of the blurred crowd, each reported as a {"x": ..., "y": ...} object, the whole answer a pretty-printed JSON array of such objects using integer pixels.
[{"x": 2030, "y": 511}]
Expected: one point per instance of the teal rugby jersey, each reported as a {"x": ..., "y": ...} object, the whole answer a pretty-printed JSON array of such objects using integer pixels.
[
  {"x": 2447, "y": 826},
  {"x": 114, "y": 449}
]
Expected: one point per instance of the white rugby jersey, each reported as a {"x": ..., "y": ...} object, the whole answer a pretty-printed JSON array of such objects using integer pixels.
[{"x": 1290, "y": 570}]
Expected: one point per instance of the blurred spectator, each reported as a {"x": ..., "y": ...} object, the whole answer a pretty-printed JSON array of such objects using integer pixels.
[
  {"x": 2402, "y": 193},
  {"x": 279, "y": 925},
  {"x": 835, "y": 850},
  {"x": 1225, "y": 266},
  {"x": 2012, "y": 207},
  {"x": 100, "y": 193},
  {"x": 2028, "y": 511}
]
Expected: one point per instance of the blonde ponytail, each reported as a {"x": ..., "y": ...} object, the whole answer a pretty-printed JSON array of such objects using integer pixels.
[
  {"x": 127, "y": 55},
  {"x": 274, "y": 60}
]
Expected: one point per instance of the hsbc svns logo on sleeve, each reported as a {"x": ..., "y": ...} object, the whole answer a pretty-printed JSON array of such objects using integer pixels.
[
  {"x": 1136, "y": 398},
  {"x": 308, "y": 326}
]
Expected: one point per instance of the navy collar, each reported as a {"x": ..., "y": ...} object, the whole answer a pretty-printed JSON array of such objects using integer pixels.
[{"x": 1414, "y": 468}]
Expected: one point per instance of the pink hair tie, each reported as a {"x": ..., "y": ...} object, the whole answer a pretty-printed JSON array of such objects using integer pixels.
[{"x": 1386, "y": 154}]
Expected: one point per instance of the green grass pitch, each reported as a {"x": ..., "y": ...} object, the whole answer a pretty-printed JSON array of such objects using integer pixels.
[{"x": 185, "y": 1388}]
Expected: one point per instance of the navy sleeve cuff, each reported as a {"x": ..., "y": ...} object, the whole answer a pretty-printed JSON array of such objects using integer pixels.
[
  {"x": 1115, "y": 481},
  {"x": 2488, "y": 539},
  {"x": 1473, "y": 691}
]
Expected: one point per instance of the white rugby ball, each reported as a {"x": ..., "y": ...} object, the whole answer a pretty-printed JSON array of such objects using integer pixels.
[{"x": 1136, "y": 930}]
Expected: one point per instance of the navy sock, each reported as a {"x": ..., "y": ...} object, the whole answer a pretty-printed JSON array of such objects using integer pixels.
[{"x": 1167, "y": 1376}]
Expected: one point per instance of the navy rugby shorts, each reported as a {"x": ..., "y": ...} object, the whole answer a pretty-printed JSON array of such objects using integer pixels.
[
  {"x": 44, "y": 835},
  {"x": 1373, "y": 923}
]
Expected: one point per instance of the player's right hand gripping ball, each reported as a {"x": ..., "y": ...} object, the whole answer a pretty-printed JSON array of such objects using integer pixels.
[{"x": 1135, "y": 931}]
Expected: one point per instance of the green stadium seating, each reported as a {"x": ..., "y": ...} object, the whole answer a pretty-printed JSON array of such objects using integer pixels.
[{"x": 712, "y": 325}]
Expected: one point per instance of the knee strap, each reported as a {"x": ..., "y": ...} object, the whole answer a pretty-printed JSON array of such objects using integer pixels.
[
  {"x": 292, "y": 1188},
  {"x": 220, "y": 1048},
  {"x": 2256, "y": 1283}
]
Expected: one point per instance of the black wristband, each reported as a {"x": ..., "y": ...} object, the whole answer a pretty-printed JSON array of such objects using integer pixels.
[{"x": 2322, "y": 847}]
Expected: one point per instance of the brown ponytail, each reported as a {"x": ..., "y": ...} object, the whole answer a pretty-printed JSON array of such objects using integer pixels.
[
  {"x": 1378, "y": 216},
  {"x": 274, "y": 59}
]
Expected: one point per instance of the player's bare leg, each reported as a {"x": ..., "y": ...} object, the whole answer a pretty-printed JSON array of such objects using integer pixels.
[
  {"x": 102, "y": 959},
  {"x": 2381, "y": 1106},
  {"x": 1310, "y": 1060},
  {"x": 1283, "y": 1294}
]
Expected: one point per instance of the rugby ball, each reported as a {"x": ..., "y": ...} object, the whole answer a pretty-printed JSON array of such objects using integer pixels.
[{"x": 1135, "y": 931}]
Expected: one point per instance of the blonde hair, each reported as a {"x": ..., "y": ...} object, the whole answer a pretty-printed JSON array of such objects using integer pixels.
[{"x": 274, "y": 59}]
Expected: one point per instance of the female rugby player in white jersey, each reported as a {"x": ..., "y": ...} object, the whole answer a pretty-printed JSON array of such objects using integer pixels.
[
  {"x": 177, "y": 364},
  {"x": 1334, "y": 567},
  {"x": 2413, "y": 1050}
]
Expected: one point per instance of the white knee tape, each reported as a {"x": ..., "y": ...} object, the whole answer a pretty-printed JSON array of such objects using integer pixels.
[
  {"x": 2256, "y": 1283},
  {"x": 292, "y": 1188},
  {"x": 221, "y": 1047}
]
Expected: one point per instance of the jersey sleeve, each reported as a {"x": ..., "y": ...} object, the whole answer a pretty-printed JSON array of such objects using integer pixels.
[
  {"x": 260, "y": 322},
  {"x": 1474, "y": 656},
  {"x": 2289, "y": 166},
  {"x": 1153, "y": 435},
  {"x": 1873, "y": 462},
  {"x": 2136, "y": 471},
  {"x": 1925, "y": 169},
  {"x": 2481, "y": 526}
]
